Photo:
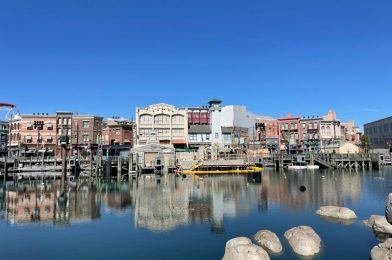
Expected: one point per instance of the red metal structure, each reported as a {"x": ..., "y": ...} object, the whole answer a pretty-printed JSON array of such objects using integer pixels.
[{"x": 10, "y": 110}]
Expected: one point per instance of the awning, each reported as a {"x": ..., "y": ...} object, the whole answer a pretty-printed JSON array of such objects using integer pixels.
[{"x": 178, "y": 141}]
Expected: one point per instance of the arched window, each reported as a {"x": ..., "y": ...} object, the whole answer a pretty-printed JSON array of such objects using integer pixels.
[
  {"x": 178, "y": 119},
  {"x": 162, "y": 119},
  {"x": 145, "y": 119},
  {"x": 328, "y": 130},
  {"x": 323, "y": 130}
]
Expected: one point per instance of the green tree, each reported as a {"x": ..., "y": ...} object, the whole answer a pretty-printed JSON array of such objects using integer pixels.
[{"x": 365, "y": 143}]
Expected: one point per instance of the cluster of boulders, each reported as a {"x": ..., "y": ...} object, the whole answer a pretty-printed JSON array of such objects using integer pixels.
[
  {"x": 382, "y": 227},
  {"x": 303, "y": 240}
]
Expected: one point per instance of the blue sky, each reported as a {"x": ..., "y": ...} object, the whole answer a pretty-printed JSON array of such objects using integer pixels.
[{"x": 276, "y": 57}]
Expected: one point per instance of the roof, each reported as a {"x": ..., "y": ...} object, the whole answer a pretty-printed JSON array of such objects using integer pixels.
[
  {"x": 261, "y": 118},
  {"x": 215, "y": 100},
  {"x": 200, "y": 129},
  {"x": 226, "y": 130}
]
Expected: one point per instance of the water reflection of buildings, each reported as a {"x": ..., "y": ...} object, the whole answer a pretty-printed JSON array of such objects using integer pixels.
[
  {"x": 118, "y": 201},
  {"x": 39, "y": 205},
  {"x": 328, "y": 188},
  {"x": 165, "y": 204}
]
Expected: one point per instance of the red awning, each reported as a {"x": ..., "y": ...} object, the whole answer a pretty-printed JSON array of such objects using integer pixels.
[{"x": 178, "y": 141}]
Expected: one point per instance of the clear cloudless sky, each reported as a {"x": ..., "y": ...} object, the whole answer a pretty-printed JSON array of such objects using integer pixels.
[{"x": 277, "y": 57}]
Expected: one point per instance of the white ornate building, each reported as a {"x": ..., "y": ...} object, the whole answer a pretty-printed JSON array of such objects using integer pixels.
[{"x": 168, "y": 122}]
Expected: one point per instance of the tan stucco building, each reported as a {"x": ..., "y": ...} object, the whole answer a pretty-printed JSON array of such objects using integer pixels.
[{"x": 169, "y": 123}]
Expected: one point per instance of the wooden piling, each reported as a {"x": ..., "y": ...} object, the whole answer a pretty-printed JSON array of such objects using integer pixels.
[
  {"x": 63, "y": 170},
  {"x": 119, "y": 166}
]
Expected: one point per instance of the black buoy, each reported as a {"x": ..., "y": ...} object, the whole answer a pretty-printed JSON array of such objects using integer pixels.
[{"x": 302, "y": 188}]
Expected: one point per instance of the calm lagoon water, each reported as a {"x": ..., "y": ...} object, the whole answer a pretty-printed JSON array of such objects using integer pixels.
[{"x": 176, "y": 218}]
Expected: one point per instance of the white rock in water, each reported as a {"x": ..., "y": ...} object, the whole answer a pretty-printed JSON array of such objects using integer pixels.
[
  {"x": 241, "y": 248},
  {"x": 336, "y": 212},
  {"x": 269, "y": 240},
  {"x": 382, "y": 251},
  {"x": 388, "y": 209},
  {"x": 303, "y": 240},
  {"x": 379, "y": 224}
]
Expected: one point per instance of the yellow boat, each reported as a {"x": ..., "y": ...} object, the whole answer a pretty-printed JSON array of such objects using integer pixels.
[{"x": 251, "y": 169}]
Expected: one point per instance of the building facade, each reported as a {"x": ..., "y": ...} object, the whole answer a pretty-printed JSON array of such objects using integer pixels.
[
  {"x": 267, "y": 133},
  {"x": 231, "y": 126},
  {"x": 380, "y": 133},
  {"x": 199, "y": 135},
  {"x": 4, "y": 128},
  {"x": 199, "y": 116},
  {"x": 33, "y": 135},
  {"x": 170, "y": 124},
  {"x": 350, "y": 132},
  {"x": 86, "y": 132},
  {"x": 290, "y": 134},
  {"x": 310, "y": 134},
  {"x": 117, "y": 131},
  {"x": 330, "y": 133}
]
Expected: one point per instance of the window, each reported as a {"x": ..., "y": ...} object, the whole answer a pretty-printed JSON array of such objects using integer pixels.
[
  {"x": 207, "y": 137},
  {"x": 227, "y": 137},
  {"x": 50, "y": 126},
  {"x": 163, "y": 132},
  {"x": 162, "y": 119},
  {"x": 178, "y": 119},
  {"x": 145, "y": 131},
  {"x": 328, "y": 130},
  {"x": 69, "y": 131},
  {"x": 178, "y": 132},
  {"x": 60, "y": 131},
  {"x": 193, "y": 137},
  {"x": 145, "y": 119},
  {"x": 86, "y": 137},
  {"x": 86, "y": 124},
  {"x": 216, "y": 135},
  {"x": 117, "y": 132}
]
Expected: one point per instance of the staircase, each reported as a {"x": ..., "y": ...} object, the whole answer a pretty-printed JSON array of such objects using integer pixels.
[{"x": 324, "y": 163}]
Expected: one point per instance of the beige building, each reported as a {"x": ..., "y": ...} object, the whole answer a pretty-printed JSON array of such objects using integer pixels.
[
  {"x": 170, "y": 124},
  {"x": 348, "y": 147}
]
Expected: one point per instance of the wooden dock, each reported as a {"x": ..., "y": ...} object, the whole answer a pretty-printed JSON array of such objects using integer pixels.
[{"x": 332, "y": 161}]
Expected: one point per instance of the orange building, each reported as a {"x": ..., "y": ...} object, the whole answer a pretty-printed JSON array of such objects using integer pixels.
[{"x": 32, "y": 135}]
